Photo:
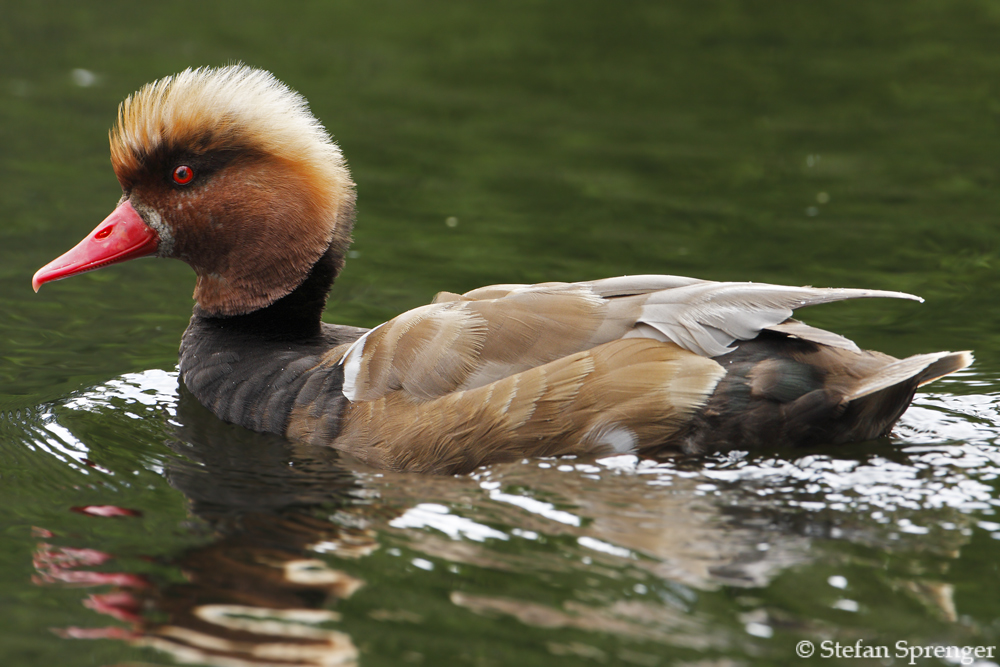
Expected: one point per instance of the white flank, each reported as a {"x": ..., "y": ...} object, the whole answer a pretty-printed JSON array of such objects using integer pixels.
[
  {"x": 619, "y": 438},
  {"x": 351, "y": 361}
]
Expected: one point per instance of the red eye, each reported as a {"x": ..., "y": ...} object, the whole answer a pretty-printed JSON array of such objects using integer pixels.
[{"x": 183, "y": 175}]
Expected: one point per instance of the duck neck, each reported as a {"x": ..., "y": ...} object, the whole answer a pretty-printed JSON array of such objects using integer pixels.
[
  {"x": 296, "y": 316},
  {"x": 251, "y": 369}
]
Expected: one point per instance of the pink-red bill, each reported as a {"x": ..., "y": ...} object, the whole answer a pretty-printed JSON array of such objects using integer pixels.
[{"x": 121, "y": 236}]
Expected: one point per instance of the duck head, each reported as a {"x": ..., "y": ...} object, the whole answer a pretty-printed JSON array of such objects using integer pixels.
[{"x": 226, "y": 169}]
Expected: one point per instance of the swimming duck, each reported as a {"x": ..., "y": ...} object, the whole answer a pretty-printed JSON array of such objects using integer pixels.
[{"x": 227, "y": 169}]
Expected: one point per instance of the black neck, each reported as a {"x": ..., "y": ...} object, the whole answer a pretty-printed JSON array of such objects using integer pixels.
[
  {"x": 251, "y": 369},
  {"x": 295, "y": 316}
]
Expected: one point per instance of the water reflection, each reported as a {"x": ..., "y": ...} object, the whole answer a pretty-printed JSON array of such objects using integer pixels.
[
  {"x": 256, "y": 598},
  {"x": 618, "y": 512},
  {"x": 255, "y": 594},
  {"x": 625, "y": 551}
]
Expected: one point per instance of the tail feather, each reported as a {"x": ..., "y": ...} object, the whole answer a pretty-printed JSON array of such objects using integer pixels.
[
  {"x": 920, "y": 369},
  {"x": 945, "y": 366}
]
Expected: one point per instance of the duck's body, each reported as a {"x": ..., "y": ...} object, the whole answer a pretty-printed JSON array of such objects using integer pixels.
[{"x": 227, "y": 170}]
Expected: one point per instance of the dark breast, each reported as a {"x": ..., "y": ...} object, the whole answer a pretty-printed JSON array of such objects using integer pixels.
[
  {"x": 256, "y": 369},
  {"x": 248, "y": 377}
]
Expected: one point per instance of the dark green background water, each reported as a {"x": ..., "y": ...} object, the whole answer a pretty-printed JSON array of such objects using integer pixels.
[{"x": 824, "y": 143}]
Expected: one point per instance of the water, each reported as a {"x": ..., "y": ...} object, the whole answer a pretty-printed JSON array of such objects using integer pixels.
[{"x": 817, "y": 144}]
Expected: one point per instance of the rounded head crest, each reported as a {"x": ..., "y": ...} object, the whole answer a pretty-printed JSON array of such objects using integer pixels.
[{"x": 287, "y": 197}]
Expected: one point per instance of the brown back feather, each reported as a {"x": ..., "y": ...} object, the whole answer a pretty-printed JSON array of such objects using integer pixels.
[{"x": 627, "y": 395}]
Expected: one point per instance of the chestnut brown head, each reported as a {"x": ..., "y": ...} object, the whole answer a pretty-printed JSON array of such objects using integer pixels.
[{"x": 228, "y": 170}]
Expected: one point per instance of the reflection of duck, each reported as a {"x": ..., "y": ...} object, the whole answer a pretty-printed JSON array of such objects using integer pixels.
[
  {"x": 264, "y": 501},
  {"x": 227, "y": 170},
  {"x": 295, "y": 527},
  {"x": 255, "y": 598},
  {"x": 258, "y": 593}
]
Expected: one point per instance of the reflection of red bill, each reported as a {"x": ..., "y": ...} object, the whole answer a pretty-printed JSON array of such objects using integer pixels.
[
  {"x": 121, "y": 605},
  {"x": 74, "y": 632},
  {"x": 88, "y": 578},
  {"x": 56, "y": 566},
  {"x": 105, "y": 510},
  {"x": 49, "y": 556}
]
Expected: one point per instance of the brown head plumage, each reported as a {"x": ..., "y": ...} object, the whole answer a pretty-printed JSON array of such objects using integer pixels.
[{"x": 271, "y": 191}]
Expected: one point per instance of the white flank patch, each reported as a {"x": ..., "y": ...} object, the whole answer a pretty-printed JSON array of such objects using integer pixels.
[
  {"x": 351, "y": 361},
  {"x": 619, "y": 438}
]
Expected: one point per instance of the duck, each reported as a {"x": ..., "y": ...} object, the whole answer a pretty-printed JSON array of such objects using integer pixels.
[{"x": 227, "y": 169}]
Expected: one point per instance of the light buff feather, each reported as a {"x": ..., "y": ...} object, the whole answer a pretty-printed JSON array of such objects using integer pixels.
[
  {"x": 461, "y": 342},
  {"x": 641, "y": 387}
]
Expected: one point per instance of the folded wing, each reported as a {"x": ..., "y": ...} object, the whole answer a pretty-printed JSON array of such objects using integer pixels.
[{"x": 462, "y": 342}]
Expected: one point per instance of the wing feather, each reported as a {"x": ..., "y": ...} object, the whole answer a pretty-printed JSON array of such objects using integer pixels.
[
  {"x": 462, "y": 342},
  {"x": 706, "y": 317}
]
